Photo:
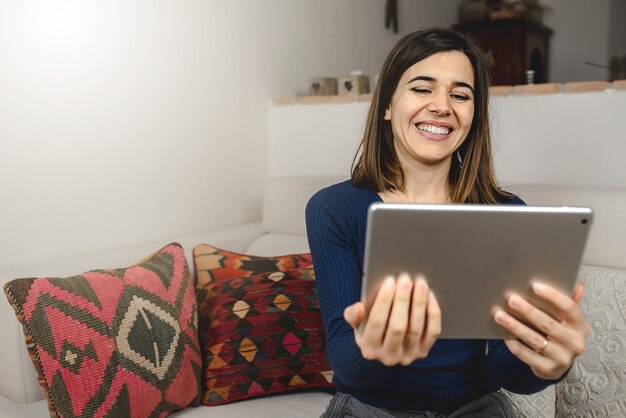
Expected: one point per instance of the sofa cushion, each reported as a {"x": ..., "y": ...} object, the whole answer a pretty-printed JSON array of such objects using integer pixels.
[
  {"x": 536, "y": 405},
  {"x": 114, "y": 340},
  {"x": 596, "y": 384},
  {"x": 308, "y": 404},
  {"x": 260, "y": 326},
  {"x": 12, "y": 409}
]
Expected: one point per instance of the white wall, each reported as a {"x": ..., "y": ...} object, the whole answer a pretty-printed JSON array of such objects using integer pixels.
[
  {"x": 127, "y": 121},
  {"x": 581, "y": 33},
  {"x": 561, "y": 138},
  {"x": 315, "y": 139},
  {"x": 110, "y": 128},
  {"x": 316, "y": 38},
  {"x": 554, "y": 139},
  {"x": 617, "y": 28}
]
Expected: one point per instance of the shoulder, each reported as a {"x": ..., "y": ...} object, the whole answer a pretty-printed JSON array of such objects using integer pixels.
[
  {"x": 511, "y": 199},
  {"x": 340, "y": 195},
  {"x": 341, "y": 205}
]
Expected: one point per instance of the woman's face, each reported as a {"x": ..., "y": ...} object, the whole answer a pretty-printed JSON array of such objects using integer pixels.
[{"x": 432, "y": 108}]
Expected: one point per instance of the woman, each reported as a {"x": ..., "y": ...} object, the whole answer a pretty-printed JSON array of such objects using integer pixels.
[{"x": 426, "y": 141}]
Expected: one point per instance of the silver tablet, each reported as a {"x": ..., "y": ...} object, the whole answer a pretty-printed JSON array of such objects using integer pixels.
[{"x": 473, "y": 255}]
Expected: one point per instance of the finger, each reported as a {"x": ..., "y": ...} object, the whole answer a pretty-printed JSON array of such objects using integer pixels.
[
  {"x": 579, "y": 292},
  {"x": 433, "y": 323},
  {"x": 563, "y": 302},
  {"x": 354, "y": 314},
  {"x": 417, "y": 315},
  {"x": 399, "y": 317},
  {"x": 538, "y": 318},
  {"x": 569, "y": 334},
  {"x": 519, "y": 330},
  {"x": 577, "y": 296},
  {"x": 542, "y": 365},
  {"x": 378, "y": 316}
]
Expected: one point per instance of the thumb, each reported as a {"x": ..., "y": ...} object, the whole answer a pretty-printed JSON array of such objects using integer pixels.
[{"x": 354, "y": 314}]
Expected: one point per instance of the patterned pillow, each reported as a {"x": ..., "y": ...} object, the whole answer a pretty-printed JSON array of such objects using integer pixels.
[
  {"x": 260, "y": 326},
  {"x": 114, "y": 342}
]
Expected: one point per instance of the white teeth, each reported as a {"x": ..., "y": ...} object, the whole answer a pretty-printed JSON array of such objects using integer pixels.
[{"x": 433, "y": 129}]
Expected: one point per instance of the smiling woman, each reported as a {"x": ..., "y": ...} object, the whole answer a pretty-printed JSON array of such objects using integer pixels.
[
  {"x": 441, "y": 81},
  {"x": 426, "y": 140},
  {"x": 431, "y": 111}
]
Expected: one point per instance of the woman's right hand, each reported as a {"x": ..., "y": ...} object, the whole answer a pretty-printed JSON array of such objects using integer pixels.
[{"x": 403, "y": 324}]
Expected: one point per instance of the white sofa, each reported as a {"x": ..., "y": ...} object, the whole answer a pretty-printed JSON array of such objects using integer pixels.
[{"x": 596, "y": 386}]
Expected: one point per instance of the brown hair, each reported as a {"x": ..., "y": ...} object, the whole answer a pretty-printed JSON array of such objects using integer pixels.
[{"x": 376, "y": 165}]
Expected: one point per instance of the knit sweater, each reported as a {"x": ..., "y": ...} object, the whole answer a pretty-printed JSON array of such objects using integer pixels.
[{"x": 454, "y": 373}]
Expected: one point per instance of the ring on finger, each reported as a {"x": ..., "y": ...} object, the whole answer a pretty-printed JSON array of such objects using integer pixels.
[{"x": 544, "y": 345}]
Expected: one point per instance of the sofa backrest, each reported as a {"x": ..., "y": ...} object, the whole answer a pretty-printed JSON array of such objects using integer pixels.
[
  {"x": 286, "y": 198},
  {"x": 283, "y": 214},
  {"x": 606, "y": 245}
]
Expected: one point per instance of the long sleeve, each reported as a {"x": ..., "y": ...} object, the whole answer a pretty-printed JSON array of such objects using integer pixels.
[
  {"x": 511, "y": 373},
  {"x": 332, "y": 240},
  {"x": 454, "y": 373}
]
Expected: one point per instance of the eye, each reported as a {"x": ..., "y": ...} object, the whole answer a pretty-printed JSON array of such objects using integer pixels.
[
  {"x": 459, "y": 97},
  {"x": 421, "y": 90}
]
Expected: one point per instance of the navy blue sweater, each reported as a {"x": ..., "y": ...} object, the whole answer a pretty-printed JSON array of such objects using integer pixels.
[{"x": 455, "y": 371}]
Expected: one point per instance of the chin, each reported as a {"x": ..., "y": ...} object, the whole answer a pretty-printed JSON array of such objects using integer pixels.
[{"x": 433, "y": 158}]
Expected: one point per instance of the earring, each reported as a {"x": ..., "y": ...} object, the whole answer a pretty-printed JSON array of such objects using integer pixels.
[{"x": 459, "y": 159}]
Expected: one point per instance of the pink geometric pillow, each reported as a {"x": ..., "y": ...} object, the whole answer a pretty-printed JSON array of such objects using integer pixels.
[{"x": 114, "y": 342}]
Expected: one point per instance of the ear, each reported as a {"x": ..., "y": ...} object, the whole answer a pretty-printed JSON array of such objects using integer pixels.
[{"x": 387, "y": 114}]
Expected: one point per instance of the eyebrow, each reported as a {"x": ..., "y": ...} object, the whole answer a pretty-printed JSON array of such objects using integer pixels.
[{"x": 432, "y": 80}]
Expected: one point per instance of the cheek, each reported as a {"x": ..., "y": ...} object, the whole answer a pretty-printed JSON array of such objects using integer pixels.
[{"x": 467, "y": 118}]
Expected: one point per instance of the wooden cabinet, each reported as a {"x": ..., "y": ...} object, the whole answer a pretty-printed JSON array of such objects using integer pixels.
[{"x": 513, "y": 46}]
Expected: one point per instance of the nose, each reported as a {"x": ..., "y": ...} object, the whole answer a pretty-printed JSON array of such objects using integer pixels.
[{"x": 440, "y": 103}]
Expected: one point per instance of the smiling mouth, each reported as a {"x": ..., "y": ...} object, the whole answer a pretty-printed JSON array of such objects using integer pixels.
[{"x": 439, "y": 130}]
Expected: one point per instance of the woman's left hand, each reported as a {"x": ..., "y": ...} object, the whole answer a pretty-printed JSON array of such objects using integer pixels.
[{"x": 551, "y": 351}]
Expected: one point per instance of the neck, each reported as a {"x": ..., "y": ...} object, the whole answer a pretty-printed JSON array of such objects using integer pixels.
[{"x": 422, "y": 184}]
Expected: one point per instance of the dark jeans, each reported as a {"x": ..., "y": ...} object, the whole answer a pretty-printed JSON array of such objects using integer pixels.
[{"x": 494, "y": 405}]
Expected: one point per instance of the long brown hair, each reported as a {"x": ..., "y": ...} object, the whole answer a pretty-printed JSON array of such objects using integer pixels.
[{"x": 376, "y": 165}]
